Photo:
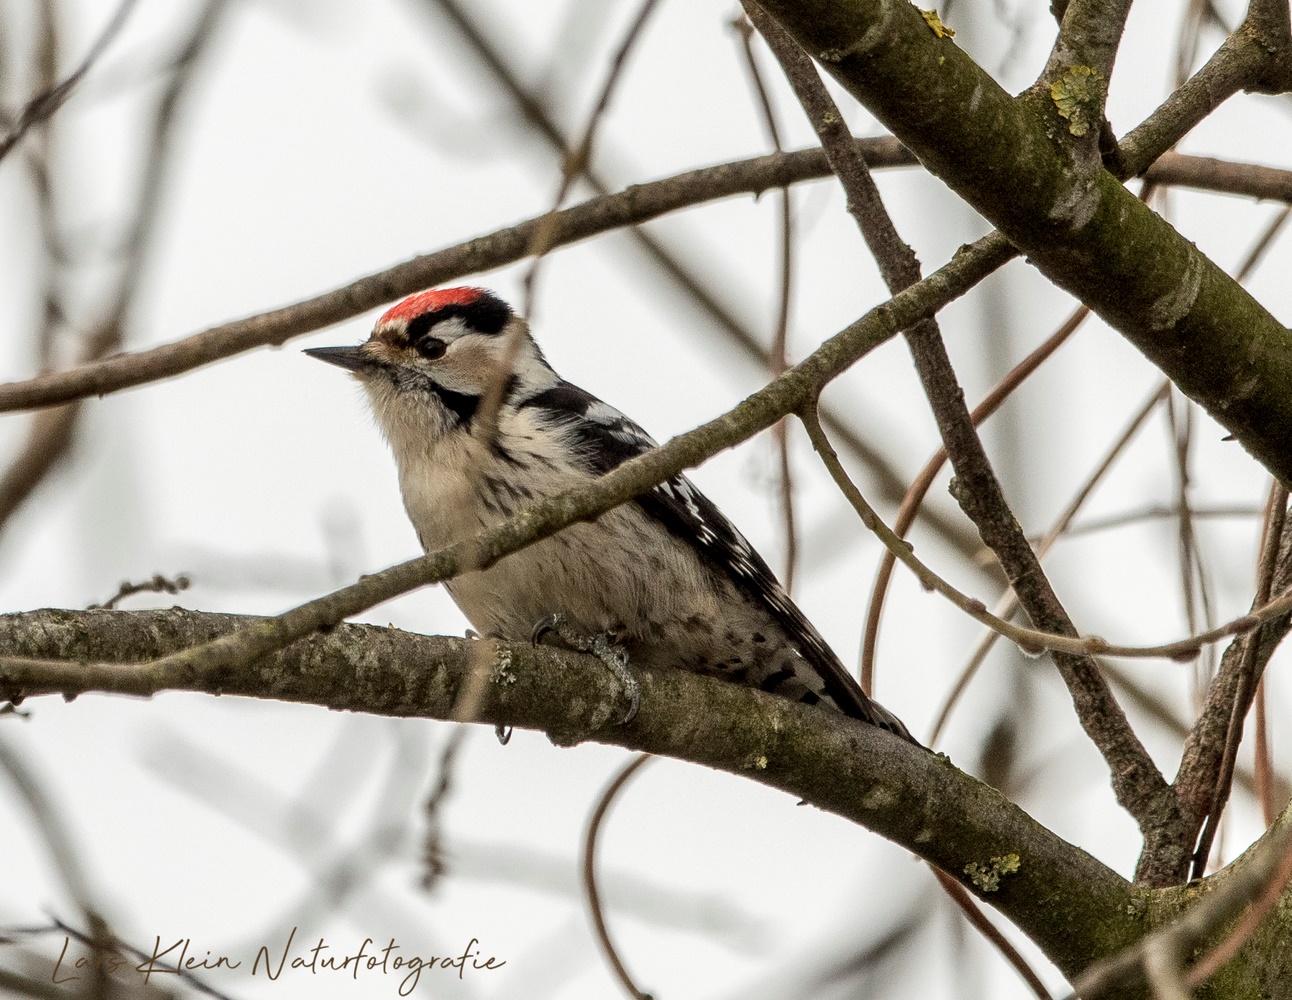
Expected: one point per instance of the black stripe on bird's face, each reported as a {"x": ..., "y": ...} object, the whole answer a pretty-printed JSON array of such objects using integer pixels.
[
  {"x": 462, "y": 405},
  {"x": 487, "y": 314}
]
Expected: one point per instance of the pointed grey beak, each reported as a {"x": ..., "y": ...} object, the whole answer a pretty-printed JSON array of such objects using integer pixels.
[{"x": 343, "y": 357}]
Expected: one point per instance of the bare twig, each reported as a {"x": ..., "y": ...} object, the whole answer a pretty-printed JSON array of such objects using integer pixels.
[
  {"x": 580, "y": 155},
  {"x": 1264, "y": 766},
  {"x": 157, "y": 585},
  {"x": 973, "y": 913},
  {"x": 796, "y": 388},
  {"x": 1009, "y": 602},
  {"x": 52, "y": 825},
  {"x": 1138, "y": 784},
  {"x": 53, "y": 431},
  {"x": 41, "y": 107},
  {"x": 465, "y": 709},
  {"x": 919, "y": 488},
  {"x": 1158, "y": 513},
  {"x": 1030, "y": 641},
  {"x": 596, "y": 908},
  {"x": 778, "y": 354},
  {"x": 1249, "y": 665}
]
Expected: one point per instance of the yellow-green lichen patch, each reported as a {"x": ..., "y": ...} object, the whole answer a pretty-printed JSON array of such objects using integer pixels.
[
  {"x": 502, "y": 673},
  {"x": 878, "y": 797},
  {"x": 987, "y": 877},
  {"x": 935, "y": 24},
  {"x": 1078, "y": 95}
]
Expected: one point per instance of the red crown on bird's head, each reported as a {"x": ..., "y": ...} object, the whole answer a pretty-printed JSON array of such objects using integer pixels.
[{"x": 432, "y": 301}]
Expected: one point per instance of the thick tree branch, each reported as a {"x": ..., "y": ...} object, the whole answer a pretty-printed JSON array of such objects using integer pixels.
[
  {"x": 1072, "y": 905},
  {"x": 1205, "y": 912},
  {"x": 1075, "y": 221},
  {"x": 792, "y": 390},
  {"x": 1138, "y": 784}
]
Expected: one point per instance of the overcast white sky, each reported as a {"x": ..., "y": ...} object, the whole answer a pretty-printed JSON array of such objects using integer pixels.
[{"x": 326, "y": 140}]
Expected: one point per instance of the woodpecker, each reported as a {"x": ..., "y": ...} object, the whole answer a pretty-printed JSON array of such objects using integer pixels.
[{"x": 666, "y": 578}]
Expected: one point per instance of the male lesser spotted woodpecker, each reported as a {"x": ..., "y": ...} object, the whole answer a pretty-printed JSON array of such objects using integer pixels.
[{"x": 666, "y": 577}]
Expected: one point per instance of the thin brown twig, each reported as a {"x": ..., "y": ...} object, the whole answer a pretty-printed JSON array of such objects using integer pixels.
[
  {"x": 52, "y": 432},
  {"x": 1158, "y": 513},
  {"x": 637, "y": 204},
  {"x": 596, "y": 909},
  {"x": 466, "y": 709},
  {"x": 48, "y": 818},
  {"x": 1250, "y": 668},
  {"x": 1258, "y": 250},
  {"x": 1189, "y": 560},
  {"x": 778, "y": 355},
  {"x": 1264, "y": 763},
  {"x": 542, "y": 238},
  {"x": 919, "y": 488},
  {"x": 699, "y": 291},
  {"x": 973, "y": 913},
  {"x": 580, "y": 155},
  {"x": 1008, "y": 602},
  {"x": 157, "y": 585},
  {"x": 43, "y": 106},
  {"x": 1032, "y": 641}
]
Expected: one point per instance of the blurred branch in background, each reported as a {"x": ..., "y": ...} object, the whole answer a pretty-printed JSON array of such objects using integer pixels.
[
  {"x": 52, "y": 431},
  {"x": 350, "y": 818},
  {"x": 724, "y": 317},
  {"x": 54, "y": 94}
]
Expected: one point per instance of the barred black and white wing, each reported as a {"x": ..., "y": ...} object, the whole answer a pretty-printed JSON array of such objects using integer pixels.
[{"x": 604, "y": 438}]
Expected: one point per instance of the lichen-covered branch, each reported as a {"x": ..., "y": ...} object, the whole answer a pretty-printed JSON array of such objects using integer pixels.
[
  {"x": 1074, "y": 907},
  {"x": 1074, "y": 220}
]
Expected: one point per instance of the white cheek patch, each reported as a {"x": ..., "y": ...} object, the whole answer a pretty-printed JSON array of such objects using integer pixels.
[{"x": 468, "y": 367}]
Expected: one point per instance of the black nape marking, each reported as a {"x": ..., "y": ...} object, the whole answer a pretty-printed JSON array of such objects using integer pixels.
[
  {"x": 462, "y": 405},
  {"x": 488, "y": 314}
]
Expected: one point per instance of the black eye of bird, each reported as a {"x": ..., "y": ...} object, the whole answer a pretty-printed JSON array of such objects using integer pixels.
[{"x": 431, "y": 348}]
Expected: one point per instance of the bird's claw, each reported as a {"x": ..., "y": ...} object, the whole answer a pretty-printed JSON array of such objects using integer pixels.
[{"x": 615, "y": 657}]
